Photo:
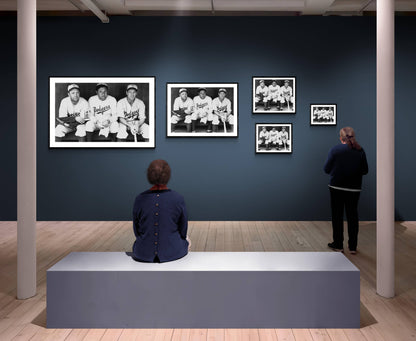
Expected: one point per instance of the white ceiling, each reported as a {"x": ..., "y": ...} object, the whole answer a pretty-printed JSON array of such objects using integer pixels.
[{"x": 302, "y": 7}]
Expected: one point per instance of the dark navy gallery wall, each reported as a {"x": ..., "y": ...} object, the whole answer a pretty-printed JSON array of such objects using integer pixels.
[
  {"x": 222, "y": 178},
  {"x": 332, "y": 58},
  {"x": 405, "y": 155},
  {"x": 8, "y": 135}
]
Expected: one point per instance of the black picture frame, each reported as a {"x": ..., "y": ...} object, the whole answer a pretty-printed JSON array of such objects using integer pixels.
[
  {"x": 323, "y": 114},
  {"x": 70, "y": 134},
  {"x": 275, "y": 99},
  {"x": 276, "y": 144},
  {"x": 201, "y": 121}
]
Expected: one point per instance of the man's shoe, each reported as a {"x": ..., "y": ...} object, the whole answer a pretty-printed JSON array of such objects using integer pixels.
[
  {"x": 353, "y": 252},
  {"x": 335, "y": 248}
]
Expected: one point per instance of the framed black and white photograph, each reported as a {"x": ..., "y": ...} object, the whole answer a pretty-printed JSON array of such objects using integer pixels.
[
  {"x": 323, "y": 114},
  {"x": 274, "y": 95},
  {"x": 274, "y": 138},
  {"x": 102, "y": 112},
  {"x": 202, "y": 109}
]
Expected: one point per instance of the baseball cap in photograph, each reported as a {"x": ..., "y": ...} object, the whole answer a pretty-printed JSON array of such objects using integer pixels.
[
  {"x": 101, "y": 85},
  {"x": 286, "y": 81},
  {"x": 132, "y": 86},
  {"x": 261, "y": 80},
  {"x": 200, "y": 89},
  {"x": 72, "y": 86},
  {"x": 183, "y": 90},
  {"x": 222, "y": 90}
]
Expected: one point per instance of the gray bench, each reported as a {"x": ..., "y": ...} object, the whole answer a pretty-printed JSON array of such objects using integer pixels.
[{"x": 204, "y": 290}]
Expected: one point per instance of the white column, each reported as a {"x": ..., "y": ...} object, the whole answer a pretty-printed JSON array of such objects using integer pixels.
[
  {"x": 385, "y": 148},
  {"x": 26, "y": 148}
]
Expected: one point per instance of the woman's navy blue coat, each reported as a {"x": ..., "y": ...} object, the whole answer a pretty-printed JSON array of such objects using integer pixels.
[{"x": 160, "y": 224}]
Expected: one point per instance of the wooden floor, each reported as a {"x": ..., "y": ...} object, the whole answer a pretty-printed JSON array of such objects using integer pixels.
[{"x": 381, "y": 319}]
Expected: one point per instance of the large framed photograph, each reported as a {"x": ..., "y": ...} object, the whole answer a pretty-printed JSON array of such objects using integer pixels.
[
  {"x": 102, "y": 112},
  {"x": 323, "y": 114},
  {"x": 274, "y": 138},
  {"x": 202, "y": 109},
  {"x": 274, "y": 95}
]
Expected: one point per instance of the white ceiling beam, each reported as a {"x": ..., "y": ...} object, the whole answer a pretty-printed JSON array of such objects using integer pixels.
[
  {"x": 260, "y": 5},
  {"x": 92, "y": 6},
  {"x": 114, "y": 7},
  {"x": 77, "y": 5},
  {"x": 122, "y": 7},
  {"x": 168, "y": 5},
  {"x": 399, "y": 6},
  {"x": 219, "y": 5},
  {"x": 317, "y": 7},
  {"x": 349, "y": 5}
]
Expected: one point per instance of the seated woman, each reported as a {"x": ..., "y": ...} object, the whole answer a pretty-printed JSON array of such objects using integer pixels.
[{"x": 160, "y": 220}]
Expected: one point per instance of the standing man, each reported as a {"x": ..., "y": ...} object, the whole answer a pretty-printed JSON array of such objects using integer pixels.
[
  {"x": 274, "y": 94},
  {"x": 182, "y": 110},
  {"x": 286, "y": 93},
  {"x": 262, "y": 94},
  {"x": 103, "y": 113},
  {"x": 221, "y": 109},
  {"x": 73, "y": 111},
  {"x": 202, "y": 110},
  {"x": 132, "y": 116}
]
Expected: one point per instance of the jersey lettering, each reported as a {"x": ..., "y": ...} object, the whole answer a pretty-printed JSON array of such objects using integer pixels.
[
  {"x": 222, "y": 108},
  {"x": 101, "y": 110},
  {"x": 74, "y": 114},
  {"x": 131, "y": 115},
  {"x": 201, "y": 105}
]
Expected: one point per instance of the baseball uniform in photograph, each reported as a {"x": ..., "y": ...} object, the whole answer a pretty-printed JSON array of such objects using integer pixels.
[
  {"x": 274, "y": 136},
  {"x": 103, "y": 113},
  {"x": 284, "y": 137},
  {"x": 274, "y": 92},
  {"x": 179, "y": 104},
  {"x": 135, "y": 115},
  {"x": 264, "y": 137},
  {"x": 224, "y": 109},
  {"x": 286, "y": 93},
  {"x": 68, "y": 109},
  {"x": 262, "y": 92},
  {"x": 202, "y": 109}
]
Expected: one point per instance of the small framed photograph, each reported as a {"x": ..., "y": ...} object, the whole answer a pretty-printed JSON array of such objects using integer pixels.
[
  {"x": 274, "y": 138},
  {"x": 202, "y": 109},
  {"x": 102, "y": 112},
  {"x": 274, "y": 95},
  {"x": 323, "y": 114}
]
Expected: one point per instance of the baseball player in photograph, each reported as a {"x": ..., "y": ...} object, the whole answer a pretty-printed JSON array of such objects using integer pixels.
[
  {"x": 73, "y": 113},
  {"x": 324, "y": 115},
  {"x": 286, "y": 94},
  {"x": 182, "y": 110},
  {"x": 330, "y": 115},
  {"x": 284, "y": 139},
  {"x": 274, "y": 94},
  {"x": 264, "y": 138},
  {"x": 103, "y": 115},
  {"x": 202, "y": 110},
  {"x": 262, "y": 95},
  {"x": 274, "y": 137},
  {"x": 221, "y": 109},
  {"x": 316, "y": 114},
  {"x": 321, "y": 114},
  {"x": 131, "y": 113}
]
